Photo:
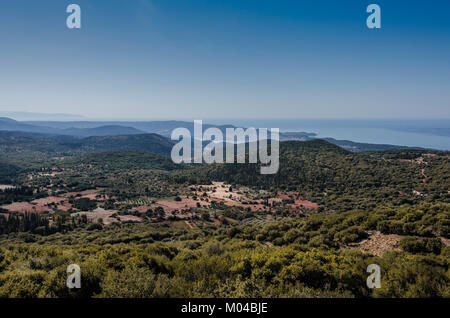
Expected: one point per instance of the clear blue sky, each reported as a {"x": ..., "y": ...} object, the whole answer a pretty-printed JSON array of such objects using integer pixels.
[{"x": 235, "y": 58}]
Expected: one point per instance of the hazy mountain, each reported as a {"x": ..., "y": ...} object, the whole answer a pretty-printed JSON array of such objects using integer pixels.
[
  {"x": 8, "y": 124},
  {"x": 13, "y": 125},
  {"x": 112, "y": 130},
  {"x": 163, "y": 128},
  {"x": 302, "y": 136},
  {"x": 359, "y": 146}
]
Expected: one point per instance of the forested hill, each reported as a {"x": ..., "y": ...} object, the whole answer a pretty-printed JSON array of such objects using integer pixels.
[
  {"x": 320, "y": 171},
  {"x": 345, "y": 180},
  {"x": 20, "y": 142}
]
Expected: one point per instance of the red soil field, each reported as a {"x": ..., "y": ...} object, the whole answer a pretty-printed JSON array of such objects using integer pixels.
[
  {"x": 39, "y": 205},
  {"x": 25, "y": 207}
]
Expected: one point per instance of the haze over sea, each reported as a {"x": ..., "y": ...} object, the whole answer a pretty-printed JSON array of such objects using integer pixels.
[{"x": 427, "y": 133}]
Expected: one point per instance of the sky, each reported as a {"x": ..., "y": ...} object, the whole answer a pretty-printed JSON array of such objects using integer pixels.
[{"x": 160, "y": 59}]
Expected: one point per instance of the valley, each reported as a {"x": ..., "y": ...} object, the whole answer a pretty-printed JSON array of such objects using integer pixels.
[{"x": 133, "y": 220}]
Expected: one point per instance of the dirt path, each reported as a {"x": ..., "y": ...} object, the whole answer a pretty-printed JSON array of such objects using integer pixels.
[{"x": 424, "y": 176}]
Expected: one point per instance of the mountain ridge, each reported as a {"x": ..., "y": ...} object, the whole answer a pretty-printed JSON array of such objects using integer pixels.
[{"x": 82, "y": 129}]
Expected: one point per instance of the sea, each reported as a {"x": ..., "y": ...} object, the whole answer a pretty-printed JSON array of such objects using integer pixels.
[{"x": 424, "y": 133}]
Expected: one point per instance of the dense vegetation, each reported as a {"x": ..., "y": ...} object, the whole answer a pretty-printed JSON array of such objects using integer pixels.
[
  {"x": 315, "y": 254},
  {"x": 310, "y": 259},
  {"x": 342, "y": 180}
]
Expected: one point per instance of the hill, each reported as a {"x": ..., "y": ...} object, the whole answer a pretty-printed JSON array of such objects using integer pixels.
[
  {"x": 110, "y": 130},
  {"x": 7, "y": 124},
  {"x": 343, "y": 180},
  {"x": 149, "y": 142},
  {"x": 19, "y": 142},
  {"x": 359, "y": 146}
]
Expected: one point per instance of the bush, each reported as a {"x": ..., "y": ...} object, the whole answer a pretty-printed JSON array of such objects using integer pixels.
[
  {"x": 213, "y": 248},
  {"x": 427, "y": 245},
  {"x": 94, "y": 226},
  {"x": 85, "y": 204}
]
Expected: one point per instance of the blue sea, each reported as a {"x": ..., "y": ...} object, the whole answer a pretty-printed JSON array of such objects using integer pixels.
[{"x": 427, "y": 133}]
